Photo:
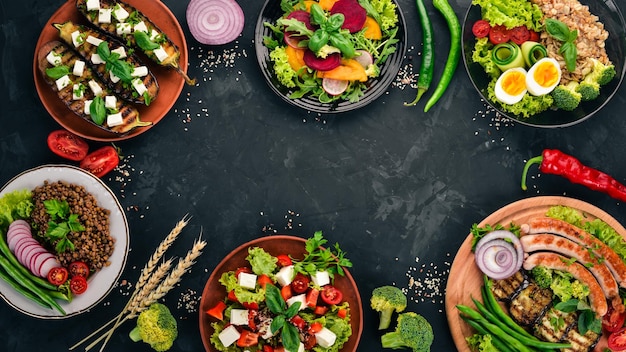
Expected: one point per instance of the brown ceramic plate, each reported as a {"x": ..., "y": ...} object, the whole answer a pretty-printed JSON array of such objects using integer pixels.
[
  {"x": 170, "y": 82},
  {"x": 275, "y": 245},
  {"x": 465, "y": 278}
]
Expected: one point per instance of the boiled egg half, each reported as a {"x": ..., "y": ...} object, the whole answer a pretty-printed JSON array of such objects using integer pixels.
[
  {"x": 543, "y": 76},
  {"x": 511, "y": 85}
]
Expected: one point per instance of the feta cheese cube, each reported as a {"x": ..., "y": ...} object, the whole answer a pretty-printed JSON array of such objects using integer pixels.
[
  {"x": 120, "y": 13},
  {"x": 123, "y": 28},
  {"x": 115, "y": 119},
  {"x": 79, "y": 68},
  {"x": 114, "y": 78},
  {"x": 93, "y": 40},
  {"x": 299, "y": 298},
  {"x": 321, "y": 278},
  {"x": 140, "y": 27},
  {"x": 121, "y": 51},
  {"x": 78, "y": 91},
  {"x": 239, "y": 316},
  {"x": 246, "y": 280},
  {"x": 300, "y": 348},
  {"x": 229, "y": 335},
  {"x": 139, "y": 86},
  {"x": 77, "y": 39},
  {"x": 93, "y": 5},
  {"x": 53, "y": 58},
  {"x": 96, "y": 59},
  {"x": 160, "y": 53},
  {"x": 325, "y": 338},
  {"x": 86, "y": 107},
  {"x": 284, "y": 276},
  {"x": 63, "y": 82},
  {"x": 153, "y": 35},
  {"x": 95, "y": 87},
  {"x": 265, "y": 328},
  {"x": 110, "y": 102},
  {"x": 104, "y": 15}
]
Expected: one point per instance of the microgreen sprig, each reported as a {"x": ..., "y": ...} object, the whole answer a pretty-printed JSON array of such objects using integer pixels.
[{"x": 61, "y": 223}]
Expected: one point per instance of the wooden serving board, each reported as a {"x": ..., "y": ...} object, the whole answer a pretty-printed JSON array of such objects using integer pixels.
[{"x": 465, "y": 278}]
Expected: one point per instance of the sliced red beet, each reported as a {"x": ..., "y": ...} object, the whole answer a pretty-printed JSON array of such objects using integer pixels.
[
  {"x": 354, "y": 14},
  {"x": 291, "y": 38},
  {"x": 317, "y": 63}
]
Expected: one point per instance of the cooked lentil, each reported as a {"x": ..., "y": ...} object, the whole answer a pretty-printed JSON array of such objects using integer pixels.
[
  {"x": 95, "y": 245},
  {"x": 591, "y": 36}
]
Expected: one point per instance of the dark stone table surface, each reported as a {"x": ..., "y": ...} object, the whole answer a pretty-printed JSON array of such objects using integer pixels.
[{"x": 396, "y": 187}]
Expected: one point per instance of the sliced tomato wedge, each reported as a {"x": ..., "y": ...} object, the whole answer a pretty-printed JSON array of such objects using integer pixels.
[
  {"x": 232, "y": 296},
  {"x": 78, "y": 285},
  {"x": 284, "y": 260},
  {"x": 268, "y": 348},
  {"x": 315, "y": 327},
  {"x": 298, "y": 322},
  {"x": 100, "y": 162},
  {"x": 331, "y": 295},
  {"x": 57, "y": 276},
  {"x": 534, "y": 36},
  {"x": 342, "y": 313},
  {"x": 247, "y": 339},
  {"x": 498, "y": 34},
  {"x": 519, "y": 35},
  {"x": 78, "y": 268},
  {"x": 617, "y": 340},
  {"x": 311, "y": 297},
  {"x": 263, "y": 280},
  {"x": 286, "y": 292},
  {"x": 300, "y": 283},
  {"x": 67, "y": 145},
  {"x": 613, "y": 320},
  {"x": 217, "y": 311},
  {"x": 320, "y": 310},
  {"x": 252, "y": 314}
]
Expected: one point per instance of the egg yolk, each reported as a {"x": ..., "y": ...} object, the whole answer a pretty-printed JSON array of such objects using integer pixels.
[
  {"x": 546, "y": 74},
  {"x": 514, "y": 83}
]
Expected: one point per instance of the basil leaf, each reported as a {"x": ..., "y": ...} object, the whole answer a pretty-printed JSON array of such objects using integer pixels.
[
  {"x": 121, "y": 69},
  {"x": 143, "y": 41},
  {"x": 567, "y": 306},
  {"x": 274, "y": 300},
  {"x": 334, "y": 22},
  {"x": 57, "y": 71},
  {"x": 557, "y": 29},
  {"x": 290, "y": 337},
  {"x": 97, "y": 110},
  {"x": 317, "y": 17},
  {"x": 277, "y": 323},
  {"x": 569, "y": 52},
  {"x": 293, "y": 310},
  {"x": 103, "y": 51}
]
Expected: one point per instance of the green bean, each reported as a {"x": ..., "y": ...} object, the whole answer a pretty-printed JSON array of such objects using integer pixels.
[
  {"x": 455, "y": 51},
  {"x": 496, "y": 341},
  {"x": 4, "y": 248},
  {"x": 17, "y": 287},
  {"x": 29, "y": 285},
  {"x": 428, "y": 54}
]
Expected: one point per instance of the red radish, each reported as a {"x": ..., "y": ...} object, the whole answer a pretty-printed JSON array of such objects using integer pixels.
[
  {"x": 215, "y": 22},
  {"x": 364, "y": 58},
  {"x": 17, "y": 238},
  {"x": 44, "y": 259},
  {"x": 19, "y": 248},
  {"x": 48, "y": 264},
  {"x": 334, "y": 86},
  {"x": 331, "y": 61},
  {"x": 354, "y": 14}
]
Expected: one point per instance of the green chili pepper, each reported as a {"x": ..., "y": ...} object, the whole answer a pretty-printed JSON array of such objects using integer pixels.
[
  {"x": 455, "y": 51},
  {"x": 428, "y": 54}
]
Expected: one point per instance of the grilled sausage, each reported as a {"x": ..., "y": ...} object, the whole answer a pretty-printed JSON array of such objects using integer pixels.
[
  {"x": 137, "y": 85},
  {"x": 571, "y": 232},
  {"x": 555, "y": 261}
]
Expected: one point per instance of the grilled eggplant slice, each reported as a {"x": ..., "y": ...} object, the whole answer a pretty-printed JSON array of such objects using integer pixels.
[
  {"x": 129, "y": 25},
  {"x": 530, "y": 304},
  {"x": 554, "y": 325},
  {"x": 581, "y": 343},
  {"x": 123, "y": 72},
  {"x": 60, "y": 67},
  {"x": 506, "y": 289}
]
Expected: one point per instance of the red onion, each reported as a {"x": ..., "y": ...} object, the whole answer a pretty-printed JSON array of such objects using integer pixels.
[
  {"x": 215, "y": 22},
  {"x": 498, "y": 258}
]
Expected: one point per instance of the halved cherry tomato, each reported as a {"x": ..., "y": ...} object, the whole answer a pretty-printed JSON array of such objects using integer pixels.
[
  {"x": 283, "y": 260},
  {"x": 67, "y": 145},
  {"x": 498, "y": 34},
  {"x": 57, "y": 276},
  {"x": 285, "y": 292},
  {"x": 613, "y": 320},
  {"x": 100, "y": 162},
  {"x": 232, "y": 296},
  {"x": 519, "y": 34},
  {"x": 247, "y": 339},
  {"x": 342, "y": 313},
  {"x": 300, "y": 283},
  {"x": 617, "y": 340},
  {"x": 263, "y": 280},
  {"x": 481, "y": 28},
  {"x": 311, "y": 297},
  {"x": 298, "y": 322},
  {"x": 78, "y": 268},
  {"x": 331, "y": 295},
  {"x": 320, "y": 310},
  {"x": 78, "y": 285},
  {"x": 315, "y": 327},
  {"x": 217, "y": 311}
]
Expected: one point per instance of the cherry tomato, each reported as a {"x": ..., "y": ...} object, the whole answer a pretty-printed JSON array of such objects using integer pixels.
[
  {"x": 534, "y": 36},
  {"x": 247, "y": 339},
  {"x": 298, "y": 322},
  {"x": 519, "y": 35},
  {"x": 78, "y": 285},
  {"x": 481, "y": 28},
  {"x": 311, "y": 297},
  {"x": 331, "y": 295},
  {"x": 78, "y": 268},
  {"x": 100, "y": 162},
  {"x": 498, "y": 34},
  {"x": 617, "y": 340},
  {"x": 613, "y": 320},
  {"x": 263, "y": 280},
  {"x": 217, "y": 311},
  {"x": 67, "y": 145},
  {"x": 283, "y": 260},
  {"x": 300, "y": 283},
  {"x": 57, "y": 276}
]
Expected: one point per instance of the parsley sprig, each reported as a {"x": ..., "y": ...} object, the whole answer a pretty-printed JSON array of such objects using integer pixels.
[
  {"x": 332, "y": 259},
  {"x": 61, "y": 223}
]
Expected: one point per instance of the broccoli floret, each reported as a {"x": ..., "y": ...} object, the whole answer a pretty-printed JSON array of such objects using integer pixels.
[
  {"x": 372, "y": 70},
  {"x": 157, "y": 327},
  {"x": 386, "y": 300},
  {"x": 602, "y": 73},
  {"x": 542, "y": 276},
  {"x": 588, "y": 89},
  {"x": 413, "y": 331},
  {"x": 562, "y": 283},
  {"x": 566, "y": 97}
]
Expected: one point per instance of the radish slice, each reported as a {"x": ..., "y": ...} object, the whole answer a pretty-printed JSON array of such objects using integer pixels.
[
  {"x": 17, "y": 238},
  {"x": 364, "y": 58},
  {"x": 499, "y": 254},
  {"x": 215, "y": 22},
  {"x": 334, "y": 86},
  {"x": 47, "y": 265}
]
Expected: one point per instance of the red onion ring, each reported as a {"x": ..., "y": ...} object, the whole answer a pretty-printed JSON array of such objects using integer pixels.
[
  {"x": 215, "y": 22},
  {"x": 498, "y": 258}
]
